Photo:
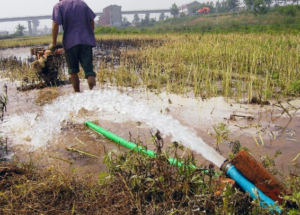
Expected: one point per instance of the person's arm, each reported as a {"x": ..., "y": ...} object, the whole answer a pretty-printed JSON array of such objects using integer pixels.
[
  {"x": 55, "y": 28},
  {"x": 93, "y": 25}
]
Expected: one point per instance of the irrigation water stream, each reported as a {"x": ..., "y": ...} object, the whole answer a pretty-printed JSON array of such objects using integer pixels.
[
  {"x": 42, "y": 127},
  {"x": 52, "y": 127},
  {"x": 45, "y": 130}
]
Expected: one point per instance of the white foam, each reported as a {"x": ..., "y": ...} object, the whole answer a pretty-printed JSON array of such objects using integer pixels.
[{"x": 37, "y": 130}]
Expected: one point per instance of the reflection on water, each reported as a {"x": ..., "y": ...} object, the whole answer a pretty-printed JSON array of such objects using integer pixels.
[
  {"x": 54, "y": 126},
  {"x": 22, "y": 53}
]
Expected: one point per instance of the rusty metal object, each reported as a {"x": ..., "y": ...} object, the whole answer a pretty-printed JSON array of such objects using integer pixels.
[
  {"x": 35, "y": 50},
  {"x": 259, "y": 176},
  {"x": 47, "y": 64}
]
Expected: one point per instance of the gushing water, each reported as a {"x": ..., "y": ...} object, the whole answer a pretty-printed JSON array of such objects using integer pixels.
[{"x": 37, "y": 130}]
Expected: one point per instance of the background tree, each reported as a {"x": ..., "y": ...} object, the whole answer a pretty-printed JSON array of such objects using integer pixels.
[
  {"x": 211, "y": 6},
  {"x": 259, "y": 7},
  {"x": 268, "y": 2},
  {"x": 249, "y": 3},
  {"x": 19, "y": 30},
  {"x": 147, "y": 17},
  {"x": 174, "y": 10},
  {"x": 136, "y": 19},
  {"x": 223, "y": 6},
  {"x": 218, "y": 6},
  {"x": 289, "y": 10},
  {"x": 162, "y": 16},
  {"x": 146, "y": 21},
  {"x": 152, "y": 21},
  {"x": 125, "y": 21},
  {"x": 182, "y": 14},
  {"x": 195, "y": 9},
  {"x": 232, "y": 4}
]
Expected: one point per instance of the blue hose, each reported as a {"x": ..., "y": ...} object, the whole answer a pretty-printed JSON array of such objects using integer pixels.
[{"x": 254, "y": 192}]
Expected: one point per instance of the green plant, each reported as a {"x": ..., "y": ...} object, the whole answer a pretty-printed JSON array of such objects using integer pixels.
[
  {"x": 259, "y": 7},
  {"x": 236, "y": 147},
  {"x": 174, "y": 10},
  {"x": 269, "y": 162},
  {"x": 19, "y": 30},
  {"x": 221, "y": 134},
  {"x": 294, "y": 88},
  {"x": 289, "y": 10}
]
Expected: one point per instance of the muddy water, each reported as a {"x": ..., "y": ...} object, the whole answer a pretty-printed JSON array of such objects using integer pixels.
[
  {"x": 277, "y": 130},
  {"x": 263, "y": 130},
  {"x": 22, "y": 52}
]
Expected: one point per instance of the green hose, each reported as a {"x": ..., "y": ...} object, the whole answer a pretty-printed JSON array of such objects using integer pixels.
[
  {"x": 131, "y": 145},
  {"x": 232, "y": 172},
  {"x": 134, "y": 147}
]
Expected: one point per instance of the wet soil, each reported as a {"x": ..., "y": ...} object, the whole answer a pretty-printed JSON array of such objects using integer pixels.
[
  {"x": 278, "y": 131},
  {"x": 19, "y": 53},
  {"x": 262, "y": 129}
]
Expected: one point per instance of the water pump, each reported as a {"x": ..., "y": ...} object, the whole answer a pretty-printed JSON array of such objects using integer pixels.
[
  {"x": 47, "y": 64},
  {"x": 253, "y": 178}
]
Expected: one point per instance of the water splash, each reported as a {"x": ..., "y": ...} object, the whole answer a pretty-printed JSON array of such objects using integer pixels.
[{"x": 38, "y": 130}]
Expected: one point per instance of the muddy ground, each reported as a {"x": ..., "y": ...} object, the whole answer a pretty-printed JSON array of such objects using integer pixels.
[
  {"x": 263, "y": 129},
  {"x": 268, "y": 125}
]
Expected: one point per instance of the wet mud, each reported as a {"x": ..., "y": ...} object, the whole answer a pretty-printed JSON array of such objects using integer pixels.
[
  {"x": 263, "y": 129},
  {"x": 21, "y": 53},
  {"x": 199, "y": 116}
]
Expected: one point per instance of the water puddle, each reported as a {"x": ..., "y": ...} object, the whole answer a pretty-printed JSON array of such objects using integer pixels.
[
  {"x": 20, "y": 53},
  {"x": 44, "y": 130},
  {"x": 43, "y": 124}
]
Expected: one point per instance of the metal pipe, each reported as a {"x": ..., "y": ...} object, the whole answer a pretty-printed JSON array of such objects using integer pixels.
[{"x": 249, "y": 187}]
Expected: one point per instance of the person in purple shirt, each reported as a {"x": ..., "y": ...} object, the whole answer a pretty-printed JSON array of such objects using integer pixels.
[{"x": 77, "y": 20}]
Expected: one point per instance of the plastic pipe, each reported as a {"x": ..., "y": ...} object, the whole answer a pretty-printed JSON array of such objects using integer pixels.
[
  {"x": 228, "y": 168},
  {"x": 131, "y": 145},
  {"x": 247, "y": 186}
]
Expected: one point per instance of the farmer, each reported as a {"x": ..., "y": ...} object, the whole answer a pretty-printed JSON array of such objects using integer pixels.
[{"x": 77, "y": 20}]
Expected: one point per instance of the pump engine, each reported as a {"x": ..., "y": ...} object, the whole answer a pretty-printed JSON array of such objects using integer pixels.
[{"x": 47, "y": 63}]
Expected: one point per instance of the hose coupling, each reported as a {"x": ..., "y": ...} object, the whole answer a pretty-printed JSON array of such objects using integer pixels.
[{"x": 225, "y": 166}]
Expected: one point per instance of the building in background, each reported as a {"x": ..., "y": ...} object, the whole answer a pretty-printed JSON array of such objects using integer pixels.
[
  {"x": 111, "y": 16},
  {"x": 187, "y": 8},
  {"x": 39, "y": 31},
  {"x": 2, "y": 33}
]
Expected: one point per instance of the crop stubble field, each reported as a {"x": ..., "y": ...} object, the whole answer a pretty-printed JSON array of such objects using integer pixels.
[
  {"x": 245, "y": 67},
  {"x": 240, "y": 66}
]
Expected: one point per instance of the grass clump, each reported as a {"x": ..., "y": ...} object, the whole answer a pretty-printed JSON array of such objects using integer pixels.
[
  {"x": 133, "y": 184},
  {"x": 241, "y": 66}
]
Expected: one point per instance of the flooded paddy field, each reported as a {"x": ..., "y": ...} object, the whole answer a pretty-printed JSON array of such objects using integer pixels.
[
  {"x": 48, "y": 124},
  {"x": 212, "y": 94},
  {"x": 18, "y": 53},
  {"x": 44, "y": 130}
]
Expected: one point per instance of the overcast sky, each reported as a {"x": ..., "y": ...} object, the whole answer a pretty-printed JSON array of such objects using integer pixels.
[{"x": 18, "y": 8}]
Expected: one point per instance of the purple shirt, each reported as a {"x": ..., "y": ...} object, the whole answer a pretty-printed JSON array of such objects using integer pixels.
[{"x": 76, "y": 18}]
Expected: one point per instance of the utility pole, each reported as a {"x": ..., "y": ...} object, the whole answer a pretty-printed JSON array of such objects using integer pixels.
[{"x": 217, "y": 14}]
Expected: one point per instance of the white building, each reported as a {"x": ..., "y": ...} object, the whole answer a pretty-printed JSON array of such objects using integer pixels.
[
  {"x": 187, "y": 8},
  {"x": 3, "y": 33}
]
